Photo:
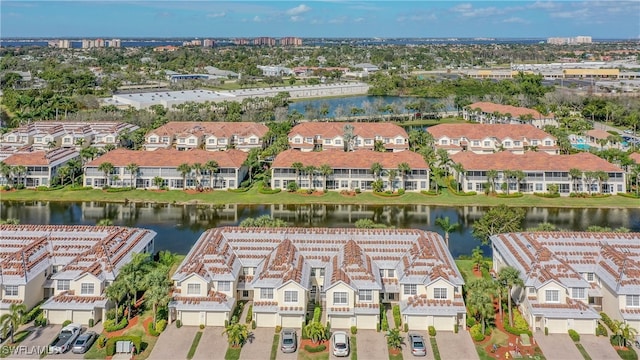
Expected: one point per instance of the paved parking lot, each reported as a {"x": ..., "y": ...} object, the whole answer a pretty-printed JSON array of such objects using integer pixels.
[
  {"x": 174, "y": 343},
  {"x": 40, "y": 338},
  {"x": 371, "y": 345},
  {"x": 598, "y": 347},
  {"x": 406, "y": 349},
  {"x": 260, "y": 345},
  {"x": 212, "y": 344},
  {"x": 558, "y": 347},
  {"x": 456, "y": 346}
]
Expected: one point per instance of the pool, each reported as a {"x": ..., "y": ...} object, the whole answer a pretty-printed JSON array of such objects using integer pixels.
[{"x": 581, "y": 146}]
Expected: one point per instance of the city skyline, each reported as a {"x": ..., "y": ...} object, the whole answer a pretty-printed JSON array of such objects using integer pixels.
[{"x": 329, "y": 18}]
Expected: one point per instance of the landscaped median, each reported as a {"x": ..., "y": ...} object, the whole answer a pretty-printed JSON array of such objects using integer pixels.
[{"x": 253, "y": 196}]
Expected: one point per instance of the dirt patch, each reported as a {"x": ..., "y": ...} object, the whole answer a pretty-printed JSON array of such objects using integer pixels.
[
  {"x": 348, "y": 193},
  {"x": 395, "y": 352},
  {"x": 315, "y": 193},
  {"x": 146, "y": 323},
  {"x": 311, "y": 343}
]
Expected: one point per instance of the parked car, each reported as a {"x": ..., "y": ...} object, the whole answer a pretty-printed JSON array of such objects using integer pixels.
[
  {"x": 637, "y": 342},
  {"x": 83, "y": 342},
  {"x": 63, "y": 342},
  {"x": 340, "y": 343},
  {"x": 418, "y": 347},
  {"x": 289, "y": 342}
]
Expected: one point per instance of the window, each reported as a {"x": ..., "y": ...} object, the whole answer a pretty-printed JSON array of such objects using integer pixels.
[
  {"x": 633, "y": 300},
  {"x": 212, "y": 141},
  {"x": 399, "y": 141},
  {"x": 532, "y": 290},
  {"x": 410, "y": 289},
  {"x": 192, "y": 141},
  {"x": 391, "y": 273},
  {"x": 507, "y": 143},
  {"x": 193, "y": 289},
  {"x": 444, "y": 142},
  {"x": 516, "y": 143},
  {"x": 245, "y": 293},
  {"x": 487, "y": 143},
  {"x": 547, "y": 143},
  {"x": 291, "y": 296},
  {"x": 224, "y": 285},
  {"x": 365, "y": 295},
  {"x": 577, "y": 293},
  {"x": 338, "y": 141},
  {"x": 440, "y": 293},
  {"x": 534, "y": 142},
  {"x": 552, "y": 296},
  {"x": 538, "y": 187},
  {"x": 86, "y": 288},
  {"x": 12, "y": 290},
  {"x": 340, "y": 298},
  {"x": 266, "y": 293},
  {"x": 590, "y": 277},
  {"x": 62, "y": 285},
  {"x": 476, "y": 143}
]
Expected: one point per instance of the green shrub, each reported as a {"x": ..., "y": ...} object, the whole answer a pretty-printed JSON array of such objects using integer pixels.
[
  {"x": 547, "y": 195},
  {"x": 546, "y": 330},
  {"x": 397, "y": 318},
  {"x": 20, "y": 187},
  {"x": 314, "y": 349},
  {"x": 377, "y": 327},
  {"x": 354, "y": 330},
  {"x": 79, "y": 188},
  {"x": 250, "y": 313},
  {"x": 111, "y": 343},
  {"x": 385, "y": 323},
  {"x": 6, "y": 188},
  {"x": 455, "y": 328},
  {"x": 179, "y": 323},
  {"x": 239, "y": 190},
  {"x": 151, "y": 329},
  {"x": 430, "y": 192},
  {"x": 268, "y": 191},
  {"x": 401, "y": 191},
  {"x": 358, "y": 191},
  {"x": 201, "y": 326},
  {"x": 278, "y": 329},
  {"x": 111, "y": 313},
  {"x": 574, "y": 335},
  {"x": 317, "y": 313},
  {"x": 66, "y": 322},
  {"x": 226, "y": 323},
  {"x": 432, "y": 331},
  {"x": 406, "y": 327},
  {"x": 161, "y": 325},
  {"x": 102, "y": 341},
  {"x": 601, "y": 330},
  {"x": 629, "y": 195},
  {"x": 476, "y": 333},
  {"x": 386, "y": 194},
  {"x": 118, "y": 189},
  {"x": 110, "y": 325},
  {"x": 253, "y": 324},
  {"x": 328, "y": 327},
  {"x": 628, "y": 354},
  {"x": 509, "y": 196},
  {"x": 91, "y": 322},
  {"x": 32, "y": 314},
  {"x": 40, "y": 320},
  {"x": 470, "y": 320},
  {"x": 607, "y": 321}
]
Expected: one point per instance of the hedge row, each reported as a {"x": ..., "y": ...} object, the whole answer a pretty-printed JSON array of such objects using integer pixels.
[
  {"x": 315, "y": 349},
  {"x": 397, "y": 318},
  {"x": 547, "y": 195},
  {"x": 268, "y": 191},
  {"x": 509, "y": 196},
  {"x": 239, "y": 190},
  {"x": 110, "y": 325}
]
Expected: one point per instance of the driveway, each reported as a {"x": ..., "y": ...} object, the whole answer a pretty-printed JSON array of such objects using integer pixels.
[
  {"x": 37, "y": 341},
  {"x": 456, "y": 346},
  {"x": 259, "y": 346},
  {"x": 558, "y": 346},
  {"x": 212, "y": 342},
  {"x": 598, "y": 347},
  {"x": 174, "y": 343},
  {"x": 371, "y": 345},
  {"x": 289, "y": 356},
  {"x": 406, "y": 349}
]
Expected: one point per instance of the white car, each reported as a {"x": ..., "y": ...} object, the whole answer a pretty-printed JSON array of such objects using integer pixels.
[
  {"x": 340, "y": 343},
  {"x": 64, "y": 341}
]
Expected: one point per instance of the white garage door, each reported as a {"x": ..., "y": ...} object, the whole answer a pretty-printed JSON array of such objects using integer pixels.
[
  {"x": 557, "y": 326},
  {"x": 443, "y": 323},
  {"x": 215, "y": 319},
  {"x": 81, "y": 317},
  {"x": 291, "y": 321},
  {"x": 190, "y": 318},
  {"x": 585, "y": 326},
  {"x": 367, "y": 321},
  {"x": 417, "y": 322},
  {"x": 57, "y": 316},
  {"x": 340, "y": 322},
  {"x": 266, "y": 319}
]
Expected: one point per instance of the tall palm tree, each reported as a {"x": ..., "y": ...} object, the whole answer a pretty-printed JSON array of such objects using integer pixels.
[
  {"x": 460, "y": 171},
  {"x": 509, "y": 277},
  {"x": 298, "y": 167},
  {"x": 107, "y": 168},
  {"x": 5, "y": 170},
  {"x": 133, "y": 168},
  {"x": 158, "y": 288},
  {"x": 601, "y": 176},
  {"x": 115, "y": 292},
  {"x": 197, "y": 168},
  {"x": 212, "y": 167},
  {"x": 404, "y": 169},
  {"x": 443, "y": 160},
  {"x": 575, "y": 174},
  {"x": 589, "y": 177},
  {"x": 184, "y": 170},
  {"x": 325, "y": 170},
  {"x": 20, "y": 172},
  {"x": 62, "y": 173},
  {"x": 392, "y": 173},
  {"x": 310, "y": 170},
  {"x": 133, "y": 276},
  {"x": 481, "y": 305},
  {"x": 11, "y": 320},
  {"x": 447, "y": 226},
  {"x": 376, "y": 170},
  {"x": 158, "y": 181},
  {"x": 492, "y": 176}
]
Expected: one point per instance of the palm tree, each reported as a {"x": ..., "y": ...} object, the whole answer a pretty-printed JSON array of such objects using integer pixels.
[
  {"x": 404, "y": 169},
  {"x": 80, "y": 142},
  {"x": 626, "y": 333},
  {"x": 158, "y": 181},
  {"x": 133, "y": 172},
  {"x": 11, "y": 320},
  {"x": 460, "y": 171},
  {"x": 509, "y": 277},
  {"x": 601, "y": 176},
  {"x": 575, "y": 174},
  {"x": 197, "y": 168},
  {"x": 115, "y": 292},
  {"x": 376, "y": 170},
  {"x": 316, "y": 331},
  {"x": 394, "y": 339},
  {"x": 325, "y": 170},
  {"x": 157, "y": 293},
  {"x": 107, "y": 168},
  {"x": 310, "y": 170},
  {"x": 21, "y": 173},
  {"x": 477, "y": 258},
  {"x": 5, "y": 170},
  {"x": 212, "y": 167},
  {"x": 443, "y": 160},
  {"x": 481, "y": 305},
  {"x": 105, "y": 222},
  {"x": 184, "y": 170},
  {"x": 62, "y": 173},
  {"x": 519, "y": 176},
  {"x": 133, "y": 275},
  {"x": 298, "y": 167},
  {"x": 447, "y": 227},
  {"x": 392, "y": 178},
  {"x": 492, "y": 175},
  {"x": 237, "y": 334},
  {"x": 75, "y": 169},
  {"x": 589, "y": 176}
]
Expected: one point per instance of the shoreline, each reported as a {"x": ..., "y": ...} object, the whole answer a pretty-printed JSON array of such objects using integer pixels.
[{"x": 253, "y": 197}]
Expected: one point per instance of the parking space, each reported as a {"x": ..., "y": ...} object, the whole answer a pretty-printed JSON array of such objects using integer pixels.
[
  {"x": 371, "y": 345},
  {"x": 174, "y": 343},
  {"x": 456, "y": 346},
  {"x": 406, "y": 349},
  {"x": 557, "y": 347},
  {"x": 40, "y": 338},
  {"x": 259, "y": 346},
  {"x": 288, "y": 356},
  {"x": 213, "y": 342},
  {"x": 598, "y": 347}
]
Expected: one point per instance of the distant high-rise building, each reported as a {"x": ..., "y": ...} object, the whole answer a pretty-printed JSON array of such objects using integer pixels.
[
  {"x": 290, "y": 41},
  {"x": 569, "y": 40},
  {"x": 115, "y": 43},
  {"x": 241, "y": 41},
  {"x": 208, "y": 43},
  {"x": 195, "y": 42},
  {"x": 264, "y": 41}
]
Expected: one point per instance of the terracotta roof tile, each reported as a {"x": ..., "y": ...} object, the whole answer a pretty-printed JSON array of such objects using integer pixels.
[
  {"x": 359, "y": 159},
  {"x": 531, "y": 161},
  {"x": 220, "y": 129},
  {"x": 635, "y": 157},
  {"x": 39, "y": 158},
  {"x": 490, "y": 108},
  {"x": 171, "y": 157},
  {"x": 333, "y": 129},
  {"x": 483, "y": 131}
]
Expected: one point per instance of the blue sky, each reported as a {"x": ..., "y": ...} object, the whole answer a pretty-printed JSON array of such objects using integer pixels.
[{"x": 329, "y": 18}]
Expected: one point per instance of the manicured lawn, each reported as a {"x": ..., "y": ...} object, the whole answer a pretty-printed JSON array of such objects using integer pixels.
[
  {"x": 303, "y": 355},
  {"x": 254, "y": 197},
  {"x": 148, "y": 341},
  {"x": 354, "y": 348},
  {"x": 466, "y": 269},
  {"x": 434, "y": 348},
  {"x": 194, "y": 345},
  {"x": 274, "y": 346},
  {"x": 583, "y": 351},
  {"x": 232, "y": 353},
  {"x": 499, "y": 338},
  {"x": 6, "y": 350}
]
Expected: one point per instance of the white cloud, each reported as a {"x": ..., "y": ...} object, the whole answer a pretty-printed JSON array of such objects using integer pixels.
[
  {"x": 257, "y": 19},
  {"x": 467, "y": 10},
  {"x": 580, "y": 13},
  {"x": 516, "y": 19},
  {"x": 296, "y": 18},
  {"x": 300, "y": 9},
  {"x": 545, "y": 5},
  {"x": 216, "y": 15},
  {"x": 338, "y": 20},
  {"x": 358, "y": 20}
]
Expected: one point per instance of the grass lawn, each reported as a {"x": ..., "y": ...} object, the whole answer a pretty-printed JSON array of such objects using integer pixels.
[
  {"x": 583, "y": 351},
  {"x": 274, "y": 346},
  {"x": 232, "y": 353},
  {"x": 6, "y": 350},
  {"x": 303, "y": 355},
  {"x": 194, "y": 345},
  {"x": 252, "y": 196},
  {"x": 628, "y": 354},
  {"x": 482, "y": 354},
  {"x": 499, "y": 338},
  {"x": 354, "y": 348},
  {"x": 434, "y": 348},
  {"x": 466, "y": 269}
]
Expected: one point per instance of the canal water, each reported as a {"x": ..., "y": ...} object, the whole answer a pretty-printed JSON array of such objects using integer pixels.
[
  {"x": 341, "y": 106},
  {"x": 179, "y": 226}
]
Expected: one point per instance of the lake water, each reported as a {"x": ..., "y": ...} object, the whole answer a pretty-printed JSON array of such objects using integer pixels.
[
  {"x": 179, "y": 226},
  {"x": 365, "y": 102}
]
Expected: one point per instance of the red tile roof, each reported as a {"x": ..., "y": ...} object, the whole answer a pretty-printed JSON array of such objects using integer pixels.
[
  {"x": 531, "y": 161},
  {"x": 220, "y": 129},
  {"x": 171, "y": 158},
  {"x": 39, "y": 158},
  {"x": 635, "y": 157},
  {"x": 359, "y": 159},
  {"x": 490, "y": 108},
  {"x": 333, "y": 129},
  {"x": 482, "y": 131},
  {"x": 598, "y": 134}
]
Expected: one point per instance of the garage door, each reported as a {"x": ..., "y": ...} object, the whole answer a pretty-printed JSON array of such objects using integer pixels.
[
  {"x": 266, "y": 319},
  {"x": 417, "y": 322},
  {"x": 81, "y": 317},
  {"x": 443, "y": 323},
  {"x": 190, "y": 318},
  {"x": 340, "y": 322},
  {"x": 57, "y": 316},
  {"x": 291, "y": 321},
  {"x": 215, "y": 319},
  {"x": 366, "y": 321},
  {"x": 557, "y": 326},
  {"x": 587, "y": 327}
]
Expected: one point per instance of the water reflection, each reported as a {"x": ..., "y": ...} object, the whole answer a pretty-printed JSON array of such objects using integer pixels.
[{"x": 179, "y": 226}]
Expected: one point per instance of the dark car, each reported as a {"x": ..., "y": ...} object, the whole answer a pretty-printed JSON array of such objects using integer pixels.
[
  {"x": 417, "y": 345},
  {"x": 289, "y": 341},
  {"x": 83, "y": 342}
]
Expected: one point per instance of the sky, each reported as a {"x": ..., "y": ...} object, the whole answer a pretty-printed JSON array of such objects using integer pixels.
[{"x": 329, "y": 18}]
